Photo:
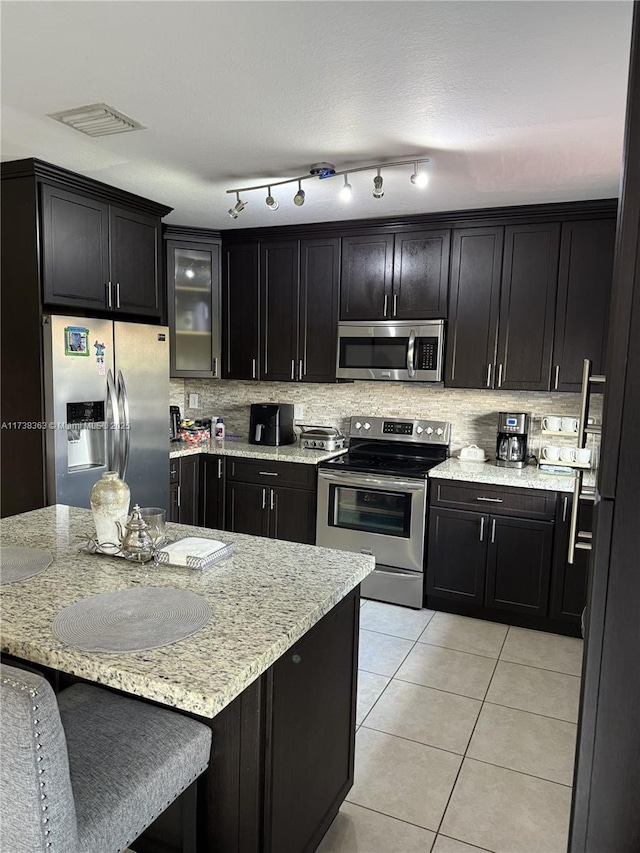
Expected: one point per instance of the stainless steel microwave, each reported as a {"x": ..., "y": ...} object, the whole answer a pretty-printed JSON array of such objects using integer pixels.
[{"x": 406, "y": 351}]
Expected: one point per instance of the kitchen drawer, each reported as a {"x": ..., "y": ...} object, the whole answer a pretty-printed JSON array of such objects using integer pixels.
[
  {"x": 498, "y": 500},
  {"x": 267, "y": 473}
]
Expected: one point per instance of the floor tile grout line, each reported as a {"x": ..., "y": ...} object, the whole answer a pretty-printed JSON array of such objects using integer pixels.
[
  {"x": 451, "y": 692},
  {"x": 521, "y": 772},
  {"x": 534, "y": 713},
  {"x": 393, "y": 817},
  {"x": 412, "y": 740},
  {"x": 543, "y": 668},
  {"x": 451, "y": 649},
  {"x": 444, "y": 835}
]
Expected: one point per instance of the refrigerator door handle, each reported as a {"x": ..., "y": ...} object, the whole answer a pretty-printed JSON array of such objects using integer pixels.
[
  {"x": 112, "y": 421},
  {"x": 124, "y": 443}
]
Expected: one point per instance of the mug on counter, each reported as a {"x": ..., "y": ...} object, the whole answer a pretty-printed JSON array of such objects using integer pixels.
[
  {"x": 569, "y": 424},
  {"x": 567, "y": 454},
  {"x": 552, "y": 423},
  {"x": 583, "y": 455},
  {"x": 551, "y": 452}
]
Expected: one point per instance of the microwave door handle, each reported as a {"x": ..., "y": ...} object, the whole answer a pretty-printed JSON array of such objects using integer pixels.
[{"x": 411, "y": 352}]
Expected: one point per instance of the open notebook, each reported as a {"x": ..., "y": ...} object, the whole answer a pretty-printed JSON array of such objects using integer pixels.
[{"x": 194, "y": 552}]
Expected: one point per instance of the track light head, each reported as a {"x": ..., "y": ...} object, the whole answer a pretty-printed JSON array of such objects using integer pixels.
[
  {"x": 299, "y": 196},
  {"x": 238, "y": 207},
  {"x": 419, "y": 179},
  {"x": 271, "y": 202},
  {"x": 378, "y": 192},
  {"x": 346, "y": 191}
]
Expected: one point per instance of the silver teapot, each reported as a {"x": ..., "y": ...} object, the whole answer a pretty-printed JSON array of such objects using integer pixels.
[{"x": 135, "y": 539}]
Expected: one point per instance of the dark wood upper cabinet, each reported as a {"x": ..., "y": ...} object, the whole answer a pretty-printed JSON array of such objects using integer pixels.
[
  {"x": 240, "y": 311},
  {"x": 527, "y": 307},
  {"x": 584, "y": 288},
  {"x": 135, "y": 262},
  {"x": 367, "y": 270},
  {"x": 318, "y": 309},
  {"x": 474, "y": 301},
  {"x": 75, "y": 249},
  {"x": 278, "y": 306},
  {"x": 420, "y": 275}
]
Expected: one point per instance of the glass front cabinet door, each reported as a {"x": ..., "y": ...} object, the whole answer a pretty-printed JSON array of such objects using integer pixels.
[{"x": 193, "y": 279}]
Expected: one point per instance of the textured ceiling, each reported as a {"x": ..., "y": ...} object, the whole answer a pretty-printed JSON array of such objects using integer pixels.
[{"x": 515, "y": 102}]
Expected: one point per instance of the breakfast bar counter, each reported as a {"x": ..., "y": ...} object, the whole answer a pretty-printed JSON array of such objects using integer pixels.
[{"x": 274, "y": 670}]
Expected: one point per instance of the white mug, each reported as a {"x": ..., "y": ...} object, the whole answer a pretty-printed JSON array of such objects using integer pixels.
[
  {"x": 583, "y": 455},
  {"x": 569, "y": 425},
  {"x": 552, "y": 423},
  {"x": 551, "y": 453},
  {"x": 568, "y": 454}
]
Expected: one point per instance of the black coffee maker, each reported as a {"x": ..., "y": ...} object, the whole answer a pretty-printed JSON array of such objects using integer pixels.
[
  {"x": 271, "y": 424},
  {"x": 511, "y": 444}
]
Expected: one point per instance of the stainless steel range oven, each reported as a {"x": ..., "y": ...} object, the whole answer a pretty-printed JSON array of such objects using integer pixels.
[{"x": 373, "y": 500}]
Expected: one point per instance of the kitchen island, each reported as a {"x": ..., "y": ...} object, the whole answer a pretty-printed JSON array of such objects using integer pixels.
[{"x": 273, "y": 673}]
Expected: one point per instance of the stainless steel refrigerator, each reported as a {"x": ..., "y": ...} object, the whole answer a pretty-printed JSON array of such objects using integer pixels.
[{"x": 106, "y": 389}]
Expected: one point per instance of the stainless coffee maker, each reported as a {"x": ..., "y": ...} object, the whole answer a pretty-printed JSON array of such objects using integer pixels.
[{"x": 511, "y": 445}]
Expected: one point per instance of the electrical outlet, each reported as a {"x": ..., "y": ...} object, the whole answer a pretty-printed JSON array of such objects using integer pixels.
[
  {"x": 194, "y": 401},
  {"x": 298, "y": 411}
]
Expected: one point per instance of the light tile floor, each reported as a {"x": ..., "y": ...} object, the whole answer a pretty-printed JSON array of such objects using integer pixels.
[{"x": 466, "y": 737}]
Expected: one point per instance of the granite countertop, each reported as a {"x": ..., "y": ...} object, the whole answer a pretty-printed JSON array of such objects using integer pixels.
[
  {"x": 264, "y": 597},
  {"x": 488, "y": 472},
  {"x": 229, "y": 447}
]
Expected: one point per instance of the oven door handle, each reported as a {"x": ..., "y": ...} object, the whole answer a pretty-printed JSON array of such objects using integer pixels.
[
  {"x": 411, "y": 354},
  {"x": 359, "y": 480}
]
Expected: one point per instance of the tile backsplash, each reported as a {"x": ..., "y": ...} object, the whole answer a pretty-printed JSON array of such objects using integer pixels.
[{"x": 473, "y": 413}]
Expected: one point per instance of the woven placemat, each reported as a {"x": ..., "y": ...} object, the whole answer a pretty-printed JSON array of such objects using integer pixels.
[
  {"x": 18, "y": 563},
  {"x": 132, "y": 620}
]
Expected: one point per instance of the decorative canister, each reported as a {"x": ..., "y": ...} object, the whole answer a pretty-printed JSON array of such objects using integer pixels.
[{"x": 110, "y": 498}]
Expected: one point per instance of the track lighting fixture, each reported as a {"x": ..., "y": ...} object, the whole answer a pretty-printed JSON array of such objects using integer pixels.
[
  {"x": 299, "y": 196},
  {"x": 420, "y": 179},
  {"x": 378, "y": 192},
  {"x": 346, "y": 191},
  {"x": 238, "y": 207},
  {"x": 271, "y": 202},
  {"x": 323, "y": 171}
]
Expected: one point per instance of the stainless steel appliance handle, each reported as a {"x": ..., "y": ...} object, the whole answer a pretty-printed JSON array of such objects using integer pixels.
[
  {"x": 411, "y": 353},
  {"x": 584, "y": 401},
  {"x": 482, "y": 528},
  {"x": 125, "y": 437},
  {"x": 113, "y": 420},
  {"x": 301, "y": 370},
  {"x": 264, "y": 498},
  {"x": 557, "y": 379},
  {"x": 491, "y": 500},
  {"x": 366, "y": 481},
  {"x": 109, "y": 297},
  {"x": 384, "y": 306},
  {"x": 397, "y": 574},
  {"x": 573, "y": 524},
  {"x": 489, "y": 368},
  {"x": 493, "y": 530},
  {"x": 500, "y": 375},
  {"x": 293, "y": 369},
  {"x": 117, "y": 294}
]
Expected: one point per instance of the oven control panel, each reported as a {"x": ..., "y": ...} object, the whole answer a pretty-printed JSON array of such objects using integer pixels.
[{"x": 401, "y": 429}]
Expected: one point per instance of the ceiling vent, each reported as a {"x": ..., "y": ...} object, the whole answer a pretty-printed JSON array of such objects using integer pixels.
[{"x": 97, "y": 120}]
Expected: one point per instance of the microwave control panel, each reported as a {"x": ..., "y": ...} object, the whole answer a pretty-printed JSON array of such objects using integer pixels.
[{"x": 427, "y": 354}]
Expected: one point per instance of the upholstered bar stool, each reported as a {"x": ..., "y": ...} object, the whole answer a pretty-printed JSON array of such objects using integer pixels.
[{"x": 88, "y": 771}]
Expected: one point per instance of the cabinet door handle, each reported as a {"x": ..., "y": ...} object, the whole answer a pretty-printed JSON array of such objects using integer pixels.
[
  {"x": 491, "y": 500},
  {"x": 395, "y": 304},
  {"x": 219, "y": 469},
  {"x": 301, "y": 370},
  {"x": 565, "y": 504},
  {"x": 493, "y": 530},
  {"x": 557, "y": 379},
  {"x": 293, "y": 369},
  {"x": 264, "y": 498},
  {"x": 384, "y": 306},
  {"x": 109, "y": 297},
  {"x": 489, "y": 368},
  {"x": 117, "y": 294},
  {"x": 272, "y": 499},
  {"x": 500, "y": 376},
  {"x": 482, "y": 529},
  {"x": 178, "y": 502},
  {"x": 215, "y": 365},
  {"x": 253, "y": 368},
  {"x": 268, "y": 473}
]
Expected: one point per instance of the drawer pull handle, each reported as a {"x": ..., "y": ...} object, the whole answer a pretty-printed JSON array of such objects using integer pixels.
[
  {"x": 268, "y": 473},
  {"x": 491, "y": 500}
]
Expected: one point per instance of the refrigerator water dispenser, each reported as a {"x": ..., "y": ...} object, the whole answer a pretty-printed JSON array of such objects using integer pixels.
[{"x": 85, "y": 436}]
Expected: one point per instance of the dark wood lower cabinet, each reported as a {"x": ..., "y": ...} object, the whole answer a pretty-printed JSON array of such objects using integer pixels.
[
  {"x": 212, "y": 497},
  {"x": 518, "y": 564},
  {"x": 293, "y": 515},
  {"x": 570, "y": 580},
  {"x": 457, "y": 555},
  {"x": 184, "y": 490},
  {"x": 247, "y": 509}
]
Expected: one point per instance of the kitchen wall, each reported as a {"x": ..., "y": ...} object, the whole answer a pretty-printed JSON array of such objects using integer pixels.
[{"x": 473, "y": 413}]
